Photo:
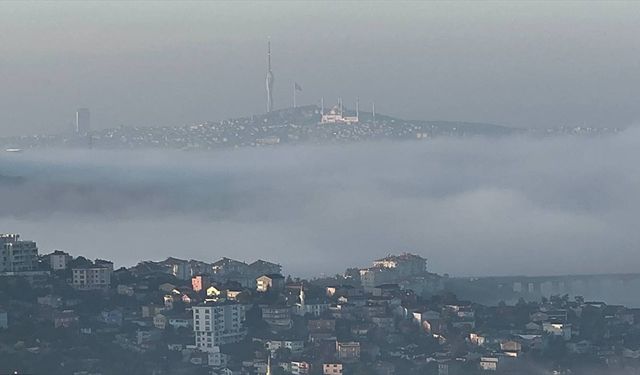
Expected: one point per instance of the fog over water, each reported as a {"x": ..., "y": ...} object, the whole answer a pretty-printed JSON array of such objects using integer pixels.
[{"x": 479, "y": 206}]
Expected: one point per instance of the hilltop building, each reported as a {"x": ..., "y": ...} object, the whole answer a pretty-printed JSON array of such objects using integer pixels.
[
  {"x": 407, "y": 270},
  {"x": 58, "y": 260},
  {"x": 92, "y": 276},
  {"x": 337, "y": 115},
  {"x": 17, "y": 255}
]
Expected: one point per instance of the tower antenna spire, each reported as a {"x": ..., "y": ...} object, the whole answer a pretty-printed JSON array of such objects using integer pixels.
[
  {"x": 373, "y": 111},
  {"x": 269, "y": 79}
]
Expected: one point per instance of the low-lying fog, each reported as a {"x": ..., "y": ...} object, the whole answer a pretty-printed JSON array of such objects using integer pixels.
[{"x": 472, "y": 207}]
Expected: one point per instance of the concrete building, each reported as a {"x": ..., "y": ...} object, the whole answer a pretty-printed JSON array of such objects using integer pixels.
[
  {"x": 91, "y": 277},
  {"x": 405, "y": 264},
  {"x": 295, "y": 346},
  {"x": 558, "y": 329},
  {"x": 273, "y": 281},
  {"x": 83, "y": 121},
  {"x": 489, "y": 363},
  {"x": 277, "y": 317},
  {"x": 332, "y": 368},
  {"x": 218, "y": 323},
  {"x": 17, "y": 255},
  {"x": 200, "y": 282},
  {"x": 58, "y": 260},
  {"x": 348, "y": 351},
  {"x": 4, "y": 320},
  {"x": 300, "y": 368}
]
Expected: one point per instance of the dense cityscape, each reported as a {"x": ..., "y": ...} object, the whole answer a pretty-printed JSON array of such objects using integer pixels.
[
  {"x": 66, "y": 314},
  {"x": 319, "y": 188}
]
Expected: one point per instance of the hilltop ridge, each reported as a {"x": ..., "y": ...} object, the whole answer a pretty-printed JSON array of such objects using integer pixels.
[{"x": 283, "y": 126}]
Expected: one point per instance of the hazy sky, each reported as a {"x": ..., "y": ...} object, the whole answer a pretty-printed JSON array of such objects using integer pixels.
[{"x": 166, "y": 63}]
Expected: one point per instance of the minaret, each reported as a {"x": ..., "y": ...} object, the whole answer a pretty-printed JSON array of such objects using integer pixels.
[
  {"x": 269, "y": 80},
  {"x": 358, "y": 108},
  {"x": 268, "y": 364},
  {"x": 301, "y": 296},
  {"x": 322, "y": 106}
]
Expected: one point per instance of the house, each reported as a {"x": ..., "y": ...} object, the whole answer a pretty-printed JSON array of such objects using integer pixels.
[
  {"x": 272, "y": 281},
  {"x": 511, "y": 348},
  {"x": 558, "y": 329},
  {"x": 332, "y": 368},
  {"x": 295, "y": 346},
  {"x": 58, "y": 260},
  {"x": 200, "y": 282},
  {"x": 277, "y": 317},
  {"x": 233, "y": 294},
  {"x": 348, "y": 351},
  {"x": 214, "y": 291},
  {"x": 477, "y": 339},
  {"x": 217, "y": 359},
  {"x": 489, "y": 363},
  {"x": 300, "y": 367}
]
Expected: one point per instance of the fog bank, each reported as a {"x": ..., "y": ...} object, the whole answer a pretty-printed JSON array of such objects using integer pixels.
[{"x": 472, "y": 207}]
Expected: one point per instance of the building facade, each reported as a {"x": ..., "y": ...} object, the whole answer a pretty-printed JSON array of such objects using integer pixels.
[
  {"x": 91, "y": 278},
  {"x": 17, "y": 255},
  {"x": 59, "y": 260},
  {"x": 218, "y": 324}
]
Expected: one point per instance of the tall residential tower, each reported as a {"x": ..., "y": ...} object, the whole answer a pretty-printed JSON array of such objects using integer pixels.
[{"x": 83, "y": 121}]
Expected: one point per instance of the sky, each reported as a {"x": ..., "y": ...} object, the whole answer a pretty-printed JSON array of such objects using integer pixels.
[
  {"x": 523, "y": 64},
  {"x": 472, "y": 207}
]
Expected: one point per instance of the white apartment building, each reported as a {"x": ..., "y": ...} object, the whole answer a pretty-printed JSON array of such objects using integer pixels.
[
  {"x": 91, "y": 278},
  {"x": 218, "y": 323},
  {"x": 17, "y": 255},
  {"x": 59, "y": 260}
]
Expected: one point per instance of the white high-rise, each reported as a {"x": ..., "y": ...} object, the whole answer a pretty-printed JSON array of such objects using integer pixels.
[
  {"x": 83, "y": 121},
  {"x": 218, "y": 323},
  {"x": 17, "y": 255}
]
